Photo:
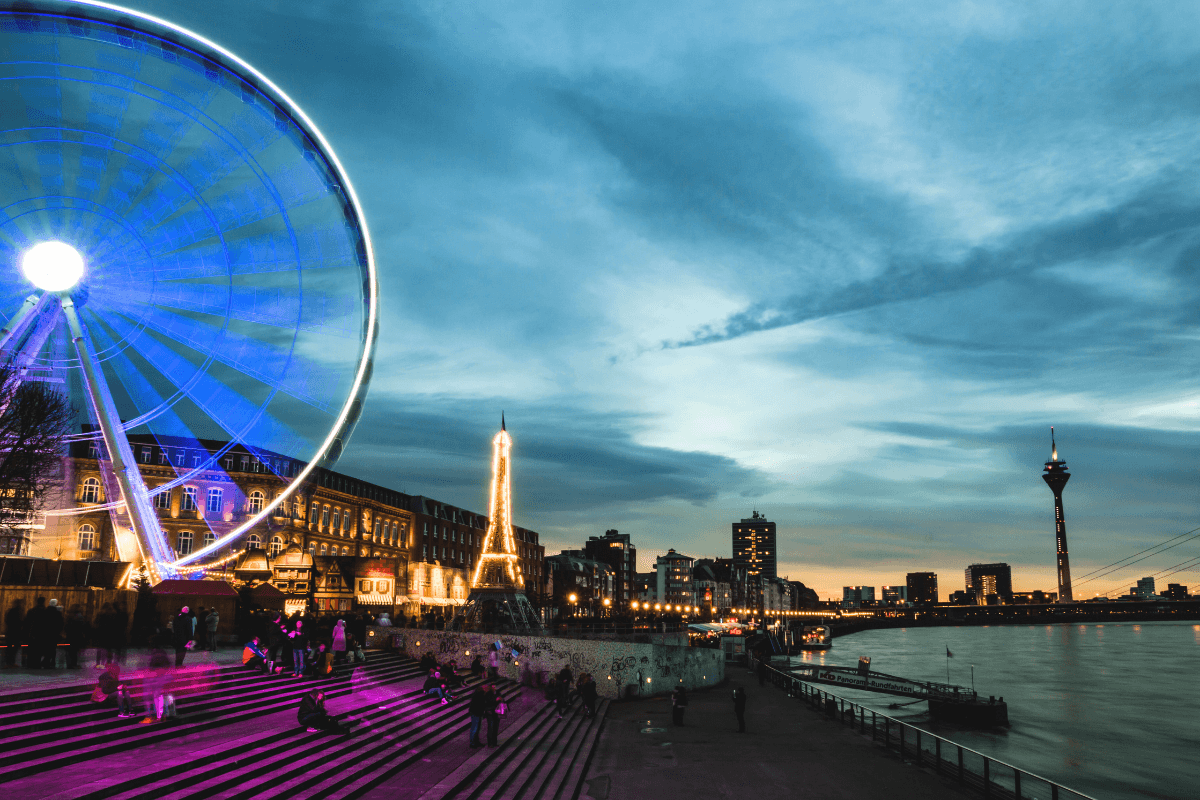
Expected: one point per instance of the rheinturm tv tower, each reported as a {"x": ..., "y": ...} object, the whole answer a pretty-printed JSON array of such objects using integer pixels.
[
  {"x": 1056, "y": 476},
  {"x": 497, "y": 603}
]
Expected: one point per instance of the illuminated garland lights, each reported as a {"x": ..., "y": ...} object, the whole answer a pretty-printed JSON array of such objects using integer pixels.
[{"x": 191, "y": 570}]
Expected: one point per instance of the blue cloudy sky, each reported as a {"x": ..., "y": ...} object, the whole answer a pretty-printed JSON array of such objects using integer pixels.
[{"x": 841, "y": 262}]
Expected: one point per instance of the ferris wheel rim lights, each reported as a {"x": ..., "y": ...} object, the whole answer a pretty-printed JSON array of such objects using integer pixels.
[{"x": 351, "y": 408}]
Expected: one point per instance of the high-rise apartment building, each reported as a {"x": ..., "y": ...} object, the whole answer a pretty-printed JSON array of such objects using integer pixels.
[
  {"x": 675, "y": 579},
  {"x": 616, "y": 550},
  {"x": 754, "y": 546},
  {"x": 990, "y": 581},
  {"x": 922, "y": 588},
  {"x": 895, "y": 595}
]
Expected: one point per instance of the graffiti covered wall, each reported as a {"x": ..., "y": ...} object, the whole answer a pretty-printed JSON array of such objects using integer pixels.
[{"x": 621, "y": 669}]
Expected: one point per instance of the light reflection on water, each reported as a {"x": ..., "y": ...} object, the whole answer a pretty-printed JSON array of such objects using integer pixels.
[{"x": 1111, "y": 710}]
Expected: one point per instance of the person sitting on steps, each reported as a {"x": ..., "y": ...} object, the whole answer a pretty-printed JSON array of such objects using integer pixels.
[{"x": 313, "y": 717}]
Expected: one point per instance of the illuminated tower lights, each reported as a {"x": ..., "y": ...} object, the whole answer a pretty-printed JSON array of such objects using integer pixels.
[
  {"x": 497, "y": 567},
  {"x": 1056, "y": 476}
]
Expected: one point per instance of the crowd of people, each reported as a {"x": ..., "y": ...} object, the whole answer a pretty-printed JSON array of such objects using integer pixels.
[
  {"x": 307, "y": 646},
  {"x": 32, "y": 638}
]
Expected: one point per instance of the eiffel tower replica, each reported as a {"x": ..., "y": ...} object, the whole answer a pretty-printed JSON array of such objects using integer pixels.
[{"x": 497, "y": 603}]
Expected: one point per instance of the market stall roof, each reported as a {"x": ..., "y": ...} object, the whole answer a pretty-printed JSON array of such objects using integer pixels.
[{"x": 194, "y": 588}]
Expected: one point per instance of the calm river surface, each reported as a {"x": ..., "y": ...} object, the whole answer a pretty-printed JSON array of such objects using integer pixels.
[{"x": 1112, "y": 710}]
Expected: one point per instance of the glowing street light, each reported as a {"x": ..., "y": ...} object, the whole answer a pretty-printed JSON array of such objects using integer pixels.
[{"x": 52, "y": 266}]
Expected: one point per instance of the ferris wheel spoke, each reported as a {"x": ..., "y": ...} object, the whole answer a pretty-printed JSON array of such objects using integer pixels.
[
  {"x": 33, "y": 306},
  {"x": 304, "y": 380},
  {"x": 133, "y": 489}
]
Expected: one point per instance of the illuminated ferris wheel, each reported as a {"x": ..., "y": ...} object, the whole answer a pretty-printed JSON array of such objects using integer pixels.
[{"x": 180, "y": 251}]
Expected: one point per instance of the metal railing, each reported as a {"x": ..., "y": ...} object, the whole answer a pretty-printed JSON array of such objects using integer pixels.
[{"x": 990, "y": 776}]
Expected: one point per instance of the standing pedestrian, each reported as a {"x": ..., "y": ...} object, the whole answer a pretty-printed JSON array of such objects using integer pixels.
[
  {"x": 211, "y": 622},
  {"x": 563, "y": 684},
  {"x": 201, "y": 629},
  {"x": 120, "y": 629},
  {"x": 14, "y": 621},
  {"x": 275, "y": 638},
  {"x": 588, "y": 694},
  {"x": 32, "y": 627},
  {"x": 299, "y": 642},
  {"x": 739, "y": 708},
  {"x": 679, "y": 703},
  {"x": 339, "y": 641},
  {"x": 493, "y": 663},
  {"x": 182, "y": 635},
  {"x": 483, "y": 702},
  {"x": 104, "y": 636},
  {"x": 52, "y": 627},
  {"x": 78, "y": 631}
]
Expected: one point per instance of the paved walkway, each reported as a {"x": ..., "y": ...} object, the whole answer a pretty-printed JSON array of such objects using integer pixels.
[
  {"x": 787, "y": 751},
  {"x": 20, "y": 679}
]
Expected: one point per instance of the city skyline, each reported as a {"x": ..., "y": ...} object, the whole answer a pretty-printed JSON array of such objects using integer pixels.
[{"x": 842, "y": 266}]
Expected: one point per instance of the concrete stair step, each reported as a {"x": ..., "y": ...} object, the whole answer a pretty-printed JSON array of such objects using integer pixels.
[
  {"x": 31, "y": 760},
  {"x": 92, "y": 721}
]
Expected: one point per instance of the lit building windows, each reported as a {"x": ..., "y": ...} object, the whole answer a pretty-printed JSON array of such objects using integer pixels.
[
  {"x": 276, "y": 545},
  {"x": 162, "y": 500},
  {"x": 188, "y": 501},
  {"x": 210, "y": 538},
  {"x": 87, "y": 537},
  {"x": 324, "y": 548},
  {"x": 163, "y": 458},
  {"x": 91, "y": 491},
  {"x": 213, "y": 505},
  {"x": 254, "y": 541},
  {"x": 325, "y": 518},
  {"x": 254, "y": 503},
  {"x": 184, "y": 544},
  {"x": 337, "y": 521},
  {"x": 146, "y": 452},
  {"x": 245, "y": 463}
]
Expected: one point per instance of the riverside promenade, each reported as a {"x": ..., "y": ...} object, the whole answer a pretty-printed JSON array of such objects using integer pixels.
[{"x": 786, "y": 751}]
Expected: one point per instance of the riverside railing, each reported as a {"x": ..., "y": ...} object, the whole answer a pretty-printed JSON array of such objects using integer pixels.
[{"x": 990, "y": 776}]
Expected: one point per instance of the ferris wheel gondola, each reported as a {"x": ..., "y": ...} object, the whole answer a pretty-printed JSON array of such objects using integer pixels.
[{"x": 180, "y": 249}]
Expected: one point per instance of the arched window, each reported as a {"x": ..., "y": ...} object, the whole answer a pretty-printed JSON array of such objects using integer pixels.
[
  {"x": 324, "y": 548},
  {"x": 254, "y": 542},
  {"x": 337, "y": 520},
  {"x": 345, "y": 551},
  {"x": 184, "y": 543},
  {"x": 87, "y": 537},
  {"x": 312, "y": 548},
  {"x": 276, "y": 545},
  {"x": 325, "y": 518},
  {"x": 346, "y": 522},
  {"x": 254, "y": 503},
  {"x": 209, "y": 538},
  {"x": 91, "y": 491}
]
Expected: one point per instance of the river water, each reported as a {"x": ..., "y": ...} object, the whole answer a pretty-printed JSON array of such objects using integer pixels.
[{"x": 1112, "y": 710}]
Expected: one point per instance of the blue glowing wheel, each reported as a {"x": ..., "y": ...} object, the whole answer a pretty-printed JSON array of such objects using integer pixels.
[{"x": 179, "y": 249}]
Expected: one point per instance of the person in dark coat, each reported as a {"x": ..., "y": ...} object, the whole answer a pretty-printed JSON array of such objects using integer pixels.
[
  {"x": 482, "y": 707},
  {"x": 563, "y": 683},
  {"x": 201, "y": 618},
  {"x": 52, "y": 627},
  {"x": 104, "y": 636},
  {"x": 274, "y": 637},
  {"x": 588, "y": 694},
  {"x": 34, "y": 621},
  {"x": 477, "y": 668},
  {"x": 299, "y": 642},
  {"x": 182, "y": 635},
  {"x": 119, "y": 630},
  {"x": 679, "y": 703},
  {"x": 312, "y": 714},
  {"x": 14, "y": 623},
  {"x": 739, "y": 708},
  {"x": 78, "y": 631}
]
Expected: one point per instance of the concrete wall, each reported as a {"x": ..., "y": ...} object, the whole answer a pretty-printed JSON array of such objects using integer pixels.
[{"x": 616, "y": 666}]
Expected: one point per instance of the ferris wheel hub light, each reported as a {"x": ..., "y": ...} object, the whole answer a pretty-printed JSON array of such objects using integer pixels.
[{"x": 53, "y": 266}]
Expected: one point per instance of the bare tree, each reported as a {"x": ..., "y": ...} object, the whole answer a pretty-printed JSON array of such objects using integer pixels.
[{"x": 35, "y": 418}]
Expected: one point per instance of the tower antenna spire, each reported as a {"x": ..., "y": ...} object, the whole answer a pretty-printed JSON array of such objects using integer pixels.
[
  {"x": 504, "y": 428},
  {"x": 1053, "y": 446}
]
